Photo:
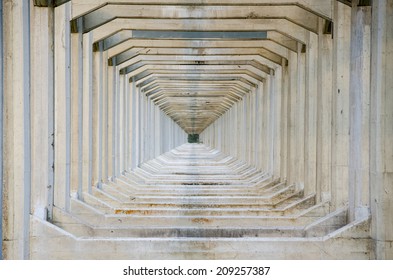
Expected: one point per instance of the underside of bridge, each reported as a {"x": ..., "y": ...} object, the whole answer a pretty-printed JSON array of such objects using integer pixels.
[{"x": 203, "y": 129}]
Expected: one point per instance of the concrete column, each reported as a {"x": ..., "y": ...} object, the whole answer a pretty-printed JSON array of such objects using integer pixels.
[
  {"x": 277, "y": 121},
  {"x": 118, "y": 127},
  {"x": 381, "y": 133},
  {"x": 101, "y": 114},
  {"x": 105, "y": 119},
  {"x": 248, "y": 140},
  {"x": 62, "y": 107},
  {"x": 244, "y": 128},
  {"x": 134, "y": 109},
  {"x": 128, "y": 138},
  {"x": 78, "y": 81},
  {"x": 125, "y": 122},
  {"x": 150, "y": 129},
  {"x": 42, "y": 87},
  {"x": 143, "y": 124},
  {"x": 260, "y": 125},
  {"x": 272, "y": 120},
  {"x": 359, "y": 101},
  {"x": 265, "y": 126},
  {"x": 97, "y": 116},
  {"x": 310, "y": 127},
  {"x": 253, "y": 128},
  {"x": 1, "y": 129},
  {"x": 87, "y": 110},
  {"x": 324, "y": 118},
  {"x": 284, "y": 122},
  {"x": 121, "y": 126},
  {"x": 113, "y": 97},
  {"x": 16, "y": 130},
  {"x": 300, "y": 116},
  {"x": 340, "y": 103},
  {"x": 76, "y": 112},
  {"x": 292, "y": 119},
  {"x": 159, "y": 137},
  {"x": 257, "y": 127},
  {"x": 110, "y": 120},
  {"x": 138, "y": 136}
]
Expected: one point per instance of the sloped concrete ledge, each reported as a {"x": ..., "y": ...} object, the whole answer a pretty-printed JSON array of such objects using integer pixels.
[{"x": 350, "y": 242}]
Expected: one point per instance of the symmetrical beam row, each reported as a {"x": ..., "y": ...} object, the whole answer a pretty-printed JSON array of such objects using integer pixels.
[{"x": 93, "y": 89}]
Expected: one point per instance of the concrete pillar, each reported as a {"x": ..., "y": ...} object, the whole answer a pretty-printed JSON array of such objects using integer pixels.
[
  {"x": 158, "y": 137},
  {"x": 293, "y": 119},
  {"x": 300, "y": 116},
  {"x": 97, "y": 81},
  {"x": 76, "y": 112},
  {"x": 248, "y": 140},
  {"x": 101, "y": 114},
  {"x": 381, "y": 133},
  {"x": 284, "y": 122},
  {"x": 128, "y": 138},
  {"x": 310, "y": 127},
  {"x": 258, "y": 159},
  {"x": 62, "y": 103},
  {"x": 272, "y": 120},
  {"x": 142, "y": 127},
  {"x": 277, "y": 122},
  {"x": 16, "y": 130},
  {"x": 110, "y": 120},
  {"x": 121, "y": 125},
  {"x": 87, "y": 115},
  {"x": 265, "y": 126},
  {"x": 134, "y": 109},
  {"x": 1, "y": 130},
  {"x": 324, "y": 117},
  {"x": 42, "y": 115},
  {"x": 118, "y": 126},
  {"x": 105, "y": 119},
  {"x": 359, "y": 100},
  {"x": 340, "y": 103}
]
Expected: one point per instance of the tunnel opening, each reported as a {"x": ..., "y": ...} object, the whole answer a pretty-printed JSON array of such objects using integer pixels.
[{"x": 193, "y": 138}]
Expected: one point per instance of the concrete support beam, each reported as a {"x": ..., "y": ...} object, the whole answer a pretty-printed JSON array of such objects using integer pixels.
[
  {"x": 106, "y": 13},
  {"x": 359, "y": 101},
  {"x": 293, "y": 119},
  {"x": 276, "y": 137},
  {"x": 87, "y": 114},
  {"x": 287, "y": 29},
  {"x": 284, "y": 121},
  {"x": 324, "y": 128},
  {"x": 340, "y": 104},
  {"x": 300, "y": 114},
  {"x": 16, "y": 130},
  {"x": 319, "y": 7},
  {"x": 62, "y": 107},
  {"x": 1, "y": 129},
  {"x": 42, "y": 111},
  {"x": 97, "y": 88},
  {"x": 310, "y": 126},
  {"x": 381, "y": 132}
]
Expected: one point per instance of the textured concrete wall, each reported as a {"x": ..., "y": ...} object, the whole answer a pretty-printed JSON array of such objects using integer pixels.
[{"x": 86, "y": 103}]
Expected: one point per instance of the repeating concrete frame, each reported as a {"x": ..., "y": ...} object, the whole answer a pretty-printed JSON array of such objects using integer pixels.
[{"x": 315, "y": 57}]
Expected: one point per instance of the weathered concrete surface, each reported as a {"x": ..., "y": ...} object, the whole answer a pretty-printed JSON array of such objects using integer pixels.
[
  {"x": 195, "y": 202},
  {"x": 290, "y": 99},
  {"x": 381, "y": 152}
]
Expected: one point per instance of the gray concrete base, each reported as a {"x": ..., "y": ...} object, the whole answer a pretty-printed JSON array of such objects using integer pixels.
[{"x": 50, "y": 242}]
